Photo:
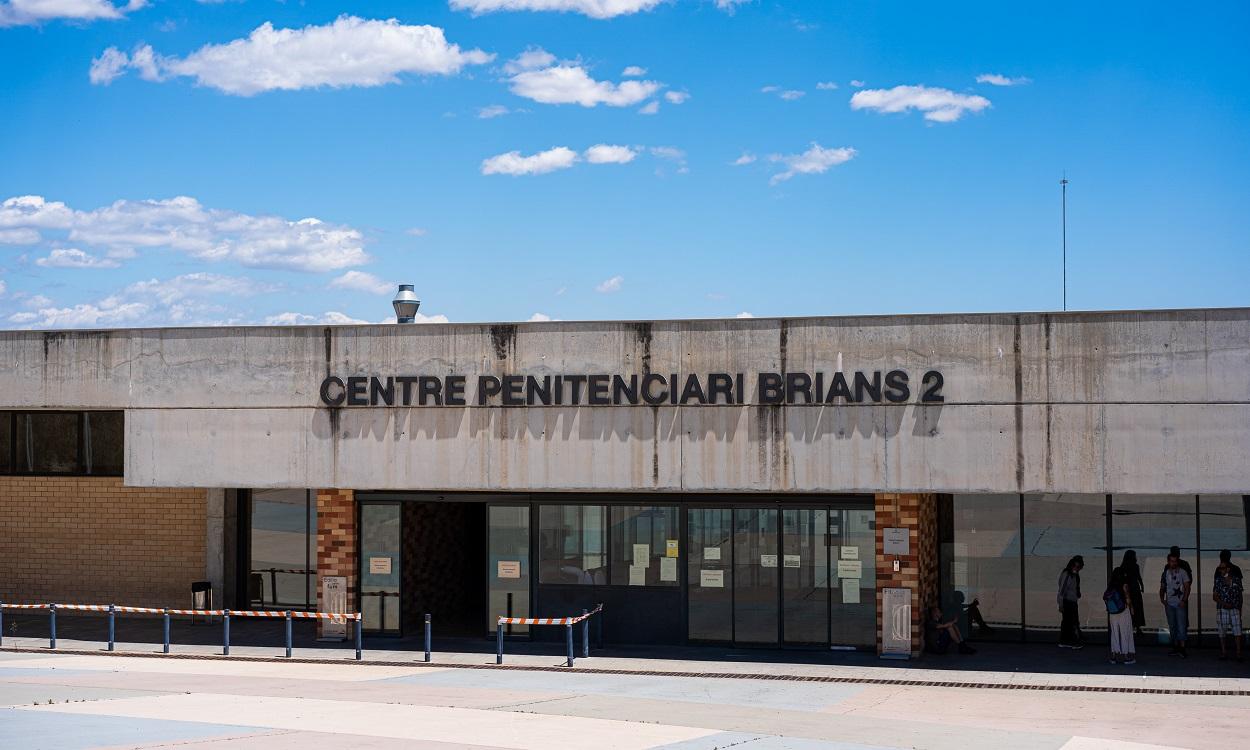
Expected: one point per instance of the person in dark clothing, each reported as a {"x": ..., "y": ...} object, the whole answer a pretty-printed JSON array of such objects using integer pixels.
[
  {"x": 1226, "y": 558},
  {"x": 939, "y": 634},
  {"x": 1068, "y": 598},
  {"x": 1136, "y": 587},
  {"x": 1184, "y": 565}
]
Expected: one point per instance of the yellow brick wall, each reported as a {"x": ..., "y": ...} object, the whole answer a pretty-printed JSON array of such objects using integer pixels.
[{"x": 91, "y": 540}]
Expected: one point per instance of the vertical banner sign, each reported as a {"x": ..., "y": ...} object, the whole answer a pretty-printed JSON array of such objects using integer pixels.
[
  {"x": 895, "y": 623},
  {"x": 334, "y": 600}
]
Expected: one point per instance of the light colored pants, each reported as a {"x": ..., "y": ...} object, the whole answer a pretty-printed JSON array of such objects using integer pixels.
[{"x": 1122, "y": 634}]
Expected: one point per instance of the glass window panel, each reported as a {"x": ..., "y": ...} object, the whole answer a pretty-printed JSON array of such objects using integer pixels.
[
  {"x": 854, "y": 607},
  {"x": 381, "y": 565},
  {"x": 805, "y": 575},
  {"x": 709, "y": 574},
  {"x": 102, "y": 444},
  {"x": 509, "y": 552},
  {"x": 756, "y": 576},
  {"x": 1225, "y": 524},
  {"x": 279, "y": 547},
  {"x": 981, "y": 563},
  {"x": 6, "y": 442},
  {"x": 1150, "y": 525},
  {"x": 1057, "y": 527},
  {"x": 311, "y": 584},
  {"x": 572, "y": 544},
  {"x": 47, "y": 443},
  {"x": 652, "y": 527}
]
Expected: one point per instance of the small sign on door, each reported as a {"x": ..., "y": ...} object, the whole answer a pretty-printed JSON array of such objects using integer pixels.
[
  {"x": 508, "y": 569},
  {"x": 380, "y": 566}
]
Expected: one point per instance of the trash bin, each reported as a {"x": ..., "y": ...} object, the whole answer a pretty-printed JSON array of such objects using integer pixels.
[{"x": 201, "y": 598}]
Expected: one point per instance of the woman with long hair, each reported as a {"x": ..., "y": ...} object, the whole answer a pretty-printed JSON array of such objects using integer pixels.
[
  {"x": 1132, "y": 574},
  {"x": 1068, "y": 597},
  {"x": 1118, "y": 599}
]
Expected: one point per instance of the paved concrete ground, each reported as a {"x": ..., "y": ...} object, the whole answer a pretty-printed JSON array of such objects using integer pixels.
[{"x": 66, "y": 701}]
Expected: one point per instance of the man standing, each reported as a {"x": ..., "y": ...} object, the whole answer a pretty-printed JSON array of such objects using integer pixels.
[
  {"x": 1174, "y": 587},
  {"x": 1227, "y": 594}
]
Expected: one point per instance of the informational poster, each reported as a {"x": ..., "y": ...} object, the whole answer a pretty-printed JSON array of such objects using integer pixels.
[
  {"x": 850, "y": 568},
  {"x": 711, "y": 553},
  {"x": 895, "y": 541},
  {"x": 642, "y": 554},
  {"x": 768, "y": 561},
  {"x": 895, "y": 623},
  {"x": 668, "y": 568},
  {"x": 637, "y": 575},
  {"x": 712, "y": 579},
  {"x": 509, "y": 569},
  {"x": 380, "y": 566},
  {"x": 670, "y": 548},
  {"x": 791, "y": 561},
  {"x": 334, "y": 601},
  {"x": 850, "y": 553},
  {"x": 850, "y": 593}
]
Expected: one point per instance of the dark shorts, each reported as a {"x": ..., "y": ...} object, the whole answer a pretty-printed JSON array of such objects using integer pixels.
[{"x": 939, "y": 642}]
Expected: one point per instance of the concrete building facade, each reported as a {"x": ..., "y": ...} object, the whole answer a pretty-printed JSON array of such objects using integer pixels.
[{"x": 742, "y": 476}]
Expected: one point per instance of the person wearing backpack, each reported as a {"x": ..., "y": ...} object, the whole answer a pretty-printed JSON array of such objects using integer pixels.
[{"x": 1119, "y": 600}]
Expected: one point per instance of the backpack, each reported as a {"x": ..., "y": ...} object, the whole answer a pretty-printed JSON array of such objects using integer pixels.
[{"x": 1114, "y": 599}]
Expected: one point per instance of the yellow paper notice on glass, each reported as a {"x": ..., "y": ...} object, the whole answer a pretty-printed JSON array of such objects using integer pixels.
[{"x": 670, "y": 548}]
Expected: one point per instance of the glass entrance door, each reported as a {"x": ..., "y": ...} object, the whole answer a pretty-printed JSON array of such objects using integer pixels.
[
  {"x": 508, "y": 568},
  {"x": 853, "y": 547},
  {"x": 805, "y": 576},
  {"x": 380, "y": 566},
  {"x": 756, "y": 577}
]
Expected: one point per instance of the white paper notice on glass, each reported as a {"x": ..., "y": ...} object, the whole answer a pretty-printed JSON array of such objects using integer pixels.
[
  {"x": 850, "y": 569},
  {"x": 850, "y": 594},
  {"x": 850, "y": 553},
  {"x": 711, "y": 553},
  {"x": 959, "y": 571},
  {"x": 768, "y": 561},
  {"x": 668, "y": 568},
  {"x": 642, "y": 554},
  {"x": 637, "y": 575},
  {"x": 509, "y": 569},
  {"x": 380, "y": 566},
  {"x": 791, "y": 561},
  {"x": 712, "y": 579}
]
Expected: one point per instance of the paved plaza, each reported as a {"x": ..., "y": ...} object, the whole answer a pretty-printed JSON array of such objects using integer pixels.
[{"x": 81, "y": 698}]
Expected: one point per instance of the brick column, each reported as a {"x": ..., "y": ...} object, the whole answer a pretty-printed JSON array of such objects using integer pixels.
[
  {"x": 337, "y": 541},
  {"x": 919, "y": 568}
]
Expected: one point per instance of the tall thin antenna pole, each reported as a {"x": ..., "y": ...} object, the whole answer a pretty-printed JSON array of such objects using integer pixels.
[{"x": 1063, "y": 187}]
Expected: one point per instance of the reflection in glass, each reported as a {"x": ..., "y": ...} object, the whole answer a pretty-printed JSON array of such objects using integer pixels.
[
  {"x": 805, "y": 575},
  {"x": 102, "y": 442},
  {"x": 283, "y": 552},
  {"x": 1225, "y": 525},
  {"x": 709, "y": 556},
  {"x": 571, "y": 544},
  {"x": 854, "y": 606},
  {"x": 981, "y": 562},
  {"x": 380, "y": 565},
  {"x": 509, "y": 553},
  {"x": 1151, "y": 524},
  {"x": 756, "y": 575},
  {"x": 47, "y": 443},
  {"x": 653, "y": 527},
  {"x": 1057, "y": 527},
  {"x": 6, "y": 442}
]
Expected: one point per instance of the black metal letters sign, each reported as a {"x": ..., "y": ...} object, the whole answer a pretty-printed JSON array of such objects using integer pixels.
[{"x": 651, "y": 389}]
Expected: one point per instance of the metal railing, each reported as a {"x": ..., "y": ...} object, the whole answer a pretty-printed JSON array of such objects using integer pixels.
[{"x": 567, "y": 622}]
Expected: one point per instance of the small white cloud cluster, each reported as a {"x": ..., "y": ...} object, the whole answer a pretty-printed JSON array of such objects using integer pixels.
[
  {"x": 34, "y": 12},
  {"x": 592, "y": 8},
  {"x": 350, "y": 51},
  {"x": 560, "y": 157},
  {"x": 611, "y": 285},
  {"x": 535, "y": 74},
  {"x": 184, "y": 225},
  {"x": 815, "y": 160},
  {"x": 788, "y": 95},
  {"x": 938, "y": 105},
  {"x": 995, "y": 79}
]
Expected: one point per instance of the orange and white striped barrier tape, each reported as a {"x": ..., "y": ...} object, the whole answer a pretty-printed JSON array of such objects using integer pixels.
[
  {"x": 6, "y": 605},
  {"x": 549, "y": 620},
  {"x": 194, "y": 612}
]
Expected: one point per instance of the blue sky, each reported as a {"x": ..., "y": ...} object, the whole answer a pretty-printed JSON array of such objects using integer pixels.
[{"x": 152, "y": 175}]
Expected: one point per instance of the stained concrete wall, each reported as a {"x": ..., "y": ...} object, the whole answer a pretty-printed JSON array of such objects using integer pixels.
[{"x": 1075, "y": 402}]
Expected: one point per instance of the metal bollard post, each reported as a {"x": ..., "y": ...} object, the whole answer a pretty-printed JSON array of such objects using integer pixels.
[
  {"x": 166, "y": 631},
  {"x": 585, "y": 634},
  {"x": 225, "y": 632},
  {"x": 499, "y": 644},
  {"x": 427, "y": 637},
  {"x": 51, "y": 626},
  {"x": 288, "y": 634},
  {"x": 112, "y": 627},
  {"x": 359, "y": 636},
  {"x": 568, "y": 637}
]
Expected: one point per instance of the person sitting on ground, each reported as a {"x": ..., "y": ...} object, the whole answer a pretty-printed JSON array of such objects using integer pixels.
[{"x": 940, "y": 634}]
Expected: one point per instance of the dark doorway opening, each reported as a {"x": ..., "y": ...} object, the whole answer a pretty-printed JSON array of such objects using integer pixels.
[{"x": 444, "y": 562}]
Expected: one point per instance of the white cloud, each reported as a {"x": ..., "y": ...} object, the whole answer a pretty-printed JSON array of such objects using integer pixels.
[
  {"x": 857, "y": 84},
  {"x": 729, "y": 6},
  {"x": 514, "y": 163},
  {"x": 532, "y": 58},
  {"x": 938, "y": 105},
  {"x": 792, "y": 94},
  {"x": 18, "y": 236},
  {"x": 610, "y": 285},
  {"x": 603, "y": 154},
  {"x": 360, "y": 281},
  {"x": 633, "y": 71},
  {"x": 669, "y": 153},
  {"x": 3, "y": 287},
  {"x": 569, "y": 83},
  {"x": 33, "y": 12},
  {"x": 493, "y": 111},
  {"x": 676, "y": 97},
  {"x": 179, "y": 289},
  {"x": 746, "y": 158},
  {"x": 108, "y": 66},
  {"x": 350, "y": 51},
  {"x": 826, "y": 86},
  {"x": 592, "y": 8},
  {"x": 333, "y": 318},
  {"x": 744, "y": 314},
  {"x": 815, "y": 160},
  {"x": 34, "y": 301},
  {"x": 184, "y": 225},
  {"x": 650, "y": 108},
  {"x": 994, "y": 79},
  {"x": 770, "y": 89},
  {"x": 72, "y": 257},
  {"x": 107, "y": 312},
  {"x": 416, "y": 232},
  {"x": 540, "y": 318}
]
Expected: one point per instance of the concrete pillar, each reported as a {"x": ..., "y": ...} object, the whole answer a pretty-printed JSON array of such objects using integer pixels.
[
  {"x": 918, "y": 569},
  {"x": 337, "y": 542},
  {"x": 215, "y": 542}
]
